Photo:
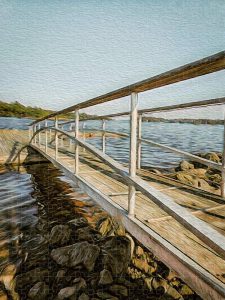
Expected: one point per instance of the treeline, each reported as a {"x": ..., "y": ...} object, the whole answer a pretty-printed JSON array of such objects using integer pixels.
[
  {"x": 189, "y": 121},
  {"x": 18, "y": 110}
]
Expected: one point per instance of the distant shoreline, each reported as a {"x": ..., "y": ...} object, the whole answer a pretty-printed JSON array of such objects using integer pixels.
[{"x": 185, "y": 121}]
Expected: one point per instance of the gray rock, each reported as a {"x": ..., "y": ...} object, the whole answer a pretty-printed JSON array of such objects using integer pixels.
[
  {"x": 81, "y": 253},
  {"x": 60, "y": 234},
  {"x": 31, "y": 277},
  {"x": 83, "y": 296},
  {"x": 80, "y": 284},
  {"x": 105, "y": 277},
  {"x": 105, "y": 295},
  {"x": 117, "y": 254},
  {"x": 39, "y": 291},
  {"x": 67, "y": 292},
  {"x": 119, "y": 290},
  {"x": 80, "y": 222}
]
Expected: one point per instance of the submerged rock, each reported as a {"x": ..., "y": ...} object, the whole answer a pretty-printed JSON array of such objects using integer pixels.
[
  {"x": 31, "y": 277},
  {"x": 83, "y": 296},
  {"x": 119, "y": 290},
  {"x": 105, "y": 277},
  {"x": 117, "y": 254},
  {"x": 39, "y": 291},
  {"x": 81, "y": 253},
  {"x": 79, "y": 222},
  {"x": 66, "y": 292},
  {"x": 60, "y": 234}
]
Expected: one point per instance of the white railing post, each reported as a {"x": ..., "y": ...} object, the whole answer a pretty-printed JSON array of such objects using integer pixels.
[
  {"x": 35, "y": 138},
  {"x": 103, "y": 136},
  {"x": 139, "y": 142},
  {"x": 70, "y": 141},
  {"x": 76, "y": 144},
  {"x": 39, "y": 135},
  {"x": 133, "y": 151},
  {"x": 223, "y": 164},
  {"x": 46, "y": 136},
  {"x": 56, "y": 138},
  {"x": 84, "y": 136},
  {"x": 61, "y": 139},
  {"x": 33, "y": 131}
]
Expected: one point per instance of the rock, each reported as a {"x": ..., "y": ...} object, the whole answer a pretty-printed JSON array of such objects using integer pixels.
[
  {"x": 60, "y": 274},
  {"x": 212, "y": 156},
  {"x": 80, "y": 284},
  {"x": 80, "y": 222},
  {"x": 60, "y": 234},
  {"x": 105, "y": 277},
  {"x": 31, "y": 277},
  {"x": 119, "y": 290},
  {"x": 185, "y": 290},
  {"x": 81, "y": 253},
  {"x": 85, "y": 234},
  {"x": 139, "y": 251},
  {"x": 7, "y": 279},
  {"x": 117, "y": 254},
  {"x": 148, "y": 282},
  {"x": 109, "y": 226},
  {"x": 66, "y": 292},
  {"x": 83, "y": 296},
  {"x": 185, "y": 165},
  {"x": 105, "y": 295},
  {"x": 39, "y": 291}
]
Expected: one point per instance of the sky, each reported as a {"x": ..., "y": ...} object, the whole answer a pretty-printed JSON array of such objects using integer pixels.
[{"x": 57, "y": 53}]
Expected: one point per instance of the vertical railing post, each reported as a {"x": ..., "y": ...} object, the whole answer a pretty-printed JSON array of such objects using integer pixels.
[
  {"x": 29, "y": 131},
  {"x": 223, "y": 164},
  {"x": 39, "y": 135},
  {"x": 139, "y": 142},
  {"x": 35, "y": 138},
  {"x": 133, "y": 151},
  {"x": 61, "y": 140},
  {"x": 33, "y": 131},
  {"x": 84, "y": 136},
  {"x": 70, "y": 141},
  {"x": 46, "y": 136},
  {"x": 56, "y": 138},
  {"x": 103, "y": 136},
  {"x": 76, "y": 144}
]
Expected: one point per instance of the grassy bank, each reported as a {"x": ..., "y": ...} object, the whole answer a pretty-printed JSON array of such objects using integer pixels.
[{"x": 18, "y": 110}]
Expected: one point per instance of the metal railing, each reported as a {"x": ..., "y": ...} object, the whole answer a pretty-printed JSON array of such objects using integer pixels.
[{"x": 205, "y": 66}]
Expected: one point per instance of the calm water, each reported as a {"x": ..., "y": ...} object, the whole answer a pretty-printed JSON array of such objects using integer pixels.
[
  {"x": 187, "y": 137},
  {"x": 32, "y": 199}
]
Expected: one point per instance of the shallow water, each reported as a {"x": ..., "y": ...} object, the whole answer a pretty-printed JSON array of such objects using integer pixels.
[{"x": 32, "y": 199}]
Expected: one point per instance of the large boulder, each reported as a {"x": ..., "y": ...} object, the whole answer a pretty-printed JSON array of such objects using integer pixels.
[
  {"x": 117, "y": 254},
  {"x": 81, "y": 253}
]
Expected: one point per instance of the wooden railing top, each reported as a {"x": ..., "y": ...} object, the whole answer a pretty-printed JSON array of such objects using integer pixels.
[{"x": 200, "y": 67}]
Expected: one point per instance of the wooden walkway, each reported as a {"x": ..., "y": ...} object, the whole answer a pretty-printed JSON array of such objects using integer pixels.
[{"x": 204, "y": 205}]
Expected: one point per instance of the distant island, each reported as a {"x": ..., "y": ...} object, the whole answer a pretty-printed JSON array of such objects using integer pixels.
[
  {"x": 18, "y": 110},
  {"x": 189, "y": 121}
]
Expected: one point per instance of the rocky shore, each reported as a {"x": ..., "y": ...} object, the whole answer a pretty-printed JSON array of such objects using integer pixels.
[
  {"x": 75, "y": 259},
  {"x": 198, "y": 175}
]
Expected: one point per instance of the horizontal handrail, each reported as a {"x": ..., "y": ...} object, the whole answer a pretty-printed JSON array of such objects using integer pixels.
[
  {"x": 201, "y": 229},
  {"x": 188, "y": 105},
  {"x": 206, "y": 162},
  {"x": 197, "y": 68}
]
